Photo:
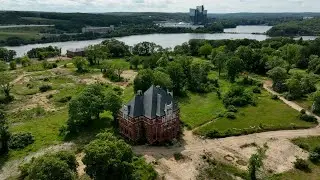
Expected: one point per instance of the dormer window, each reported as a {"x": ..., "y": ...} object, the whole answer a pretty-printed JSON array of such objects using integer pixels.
[
  {"x": 168, "y": 110},
  {"x": 125, "y": 112}
]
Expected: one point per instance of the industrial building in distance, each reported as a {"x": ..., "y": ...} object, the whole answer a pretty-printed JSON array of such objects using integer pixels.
[
  {"x": 100, "y": 30},
  {"x": 199, "y": 15}
]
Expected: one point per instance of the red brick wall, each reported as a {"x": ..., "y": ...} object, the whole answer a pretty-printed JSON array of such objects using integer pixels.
[{"x": 155, "y": 130}]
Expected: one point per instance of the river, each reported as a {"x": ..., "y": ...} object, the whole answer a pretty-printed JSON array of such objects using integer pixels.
[{"x": 165, "y": 40}]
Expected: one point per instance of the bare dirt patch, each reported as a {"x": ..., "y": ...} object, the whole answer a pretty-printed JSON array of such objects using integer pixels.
[
  {"x": 38, "y": 100},
  {"x": 81, "y": 166}
]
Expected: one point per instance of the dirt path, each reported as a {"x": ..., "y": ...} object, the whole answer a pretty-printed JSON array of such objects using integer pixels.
[
  {"x": 281, "y": 153},
  {"x": 11, "y": 168}
]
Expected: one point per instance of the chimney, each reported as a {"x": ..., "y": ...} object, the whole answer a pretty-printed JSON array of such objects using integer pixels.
[
  {"x": 170, "y": 92},
  {"x": 158, "y": 113},
  {"x": 139, "y": 93}
]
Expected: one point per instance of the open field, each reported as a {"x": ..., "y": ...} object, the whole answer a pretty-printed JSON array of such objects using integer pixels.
[
  {"x": 197, "y": 109},
  {"x": 27, "y": 33}
]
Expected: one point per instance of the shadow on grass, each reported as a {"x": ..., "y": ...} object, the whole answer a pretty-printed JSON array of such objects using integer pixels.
[
  {"x": 3, "y": 159},
  {"x": 89, "y": 133}
]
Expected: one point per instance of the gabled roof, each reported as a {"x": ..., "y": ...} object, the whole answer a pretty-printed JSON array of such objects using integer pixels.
[{"x": 150, "y": 104}]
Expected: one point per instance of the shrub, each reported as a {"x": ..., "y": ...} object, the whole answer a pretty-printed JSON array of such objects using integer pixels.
[
  {"x": 61, "y": 166},
  {"x": 20, "y": 140},
  {"x": 232, "y": 108},
  {"x": 178, "y": 156},
  {"x": 303, "y": 111},
  {"x": 275, "y": 97},
  {"x": 303, "y": 146},
  {"x": 230, "y": 115},
  {"x": 302, "y": 165},
  {"x": 45, "y": 88},
  {"x": 315, "y": 155},
  {"x": 237, "y": 96},
  {"x": 213, "y": 134},
  {"x": 308, "y": 118},
  {"x": 54, "y": 65},
  {"x": 65, "y": 99},
  {"x": 256, "y": 90},
  {"x": 13, "y": 65}
]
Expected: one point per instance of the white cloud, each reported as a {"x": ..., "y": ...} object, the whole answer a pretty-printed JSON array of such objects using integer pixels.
[{"x": 214, "y": 6}]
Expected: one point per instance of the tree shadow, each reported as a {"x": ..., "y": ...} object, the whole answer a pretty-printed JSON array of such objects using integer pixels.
[
  {"x": 3, "y": 159},
  {"x": 89, "y": 132}
]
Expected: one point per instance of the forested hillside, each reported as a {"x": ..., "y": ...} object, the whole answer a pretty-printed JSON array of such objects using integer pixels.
[{"x": 309, "y": 27}]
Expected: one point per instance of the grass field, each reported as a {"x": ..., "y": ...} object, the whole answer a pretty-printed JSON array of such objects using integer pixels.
[
  {"x": 310, "y": 142},
  {"x": 197, "y": 109},
  {"x": 270, "y": 114},
  {"x": 24, "y": 33},
  {"x": 44, "y": 129}
]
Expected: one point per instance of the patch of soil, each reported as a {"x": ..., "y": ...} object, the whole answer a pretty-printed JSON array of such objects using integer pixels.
[
  {"x": 38, "y": 100},
  {"x": 81, "y": 166}
]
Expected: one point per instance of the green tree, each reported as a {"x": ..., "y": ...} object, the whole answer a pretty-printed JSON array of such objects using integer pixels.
[
  {"x": 216, "y": 51},
  {"x": 163, "y": 62},
  {"x": 135, "y": 61},
  {"x": 4, "y": 134},
  {"x": 61, "y": 165},
  {"x": 220, "y": 61},
  {"x": 5, "y": 83},
  {"x": 205, "y": 50},
  {"x": 25, "y": 61},
  {"x": 255, "y": 163},
  {"x": 199, "y": 76},
  {"x": 162, "y": 79},
  {"x": 178, "y": 77},
  {"x": 13, "y": 65},
  {"x": 234, "y": 67},
  {"x": 113, "y": 103},
  {"x": 80, "y": 63},
  {"x": 119, "y": 67},
  {"x": 143, "y": 80},
  {"x": 96, "y": 53},
  {"x": 3, "y": 66},
  {"x": 292, "y": 54},
  {"x": 245, "y": 53},
  {"x": 105, "y": 159},
  {"x": 86, "y": 107},
  {"x": 316, "y": 102}
]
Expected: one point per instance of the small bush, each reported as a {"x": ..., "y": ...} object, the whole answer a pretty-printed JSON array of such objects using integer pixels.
[
  {"x": 302, "y": 165},
  {"x": 13, "y": 65},
  {"x": 213, "y": 134},
  {"x": 315, "y": 155},
  {"x": 178, "y": 156},
  {"x": 275, "y": 97},
  {"x": 45, "y": 88},
  {"x": 232, "y": 108},
  {"x": 303, "y": 146},
  {"x": 54, "y": 65},
  {"x": 50, "y": 96},
  {"x": 303, "y": 111},
  {"x": 238, "y": 96},
  {"x": 308, "y": 118},
  {"x": 256, "y": 90},
  {"x": 20, "y": 140},
  {"x": 231, "y": 115},
  {"x": 65, "y": 99}
]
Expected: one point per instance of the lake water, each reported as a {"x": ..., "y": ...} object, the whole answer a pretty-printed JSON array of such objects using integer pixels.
[
  {"x": 165, "y": 40},
  {"x": 248, "y": 29}
]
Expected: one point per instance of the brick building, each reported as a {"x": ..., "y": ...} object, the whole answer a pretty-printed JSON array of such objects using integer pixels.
[{"x": 152, "y": 116}]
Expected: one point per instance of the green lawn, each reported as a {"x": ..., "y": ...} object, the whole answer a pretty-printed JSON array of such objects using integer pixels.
[
  {"x": 268, "y": 113},
  {"x": 295, "y": 174},
  {"x": 197, "y": 109},
  {"x": 44, "y": 129}
]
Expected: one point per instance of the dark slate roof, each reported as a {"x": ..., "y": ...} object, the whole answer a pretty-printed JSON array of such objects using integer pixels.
[{"x": 150, "y": 104}]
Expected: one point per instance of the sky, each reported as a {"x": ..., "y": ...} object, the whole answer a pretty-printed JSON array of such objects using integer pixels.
[{"x": 213, "y": 6}]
